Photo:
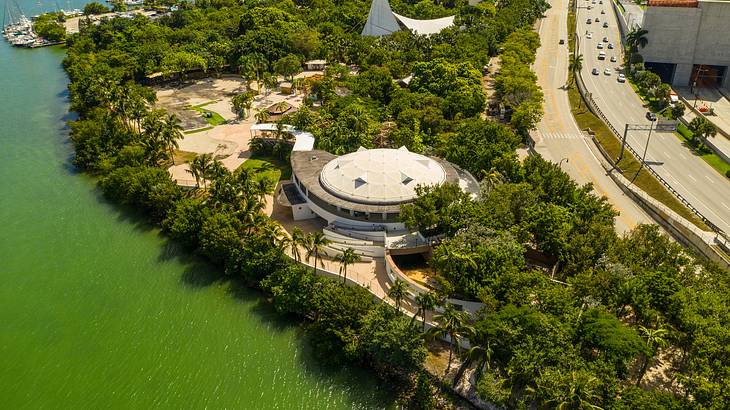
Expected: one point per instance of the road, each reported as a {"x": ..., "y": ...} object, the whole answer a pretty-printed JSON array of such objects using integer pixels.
[
  {"x": 700, "y": 184},
  {"x": 558, "y": 135}
]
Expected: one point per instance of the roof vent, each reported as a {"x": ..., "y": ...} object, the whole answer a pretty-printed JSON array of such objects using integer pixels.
[
  {"x": 360, "y": 181},
  {"x": 313, "y": 158},
  {"x": 405, "y": 179}
]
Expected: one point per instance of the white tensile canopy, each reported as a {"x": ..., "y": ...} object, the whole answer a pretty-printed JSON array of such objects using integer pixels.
[{"x": 382, "y": 21}]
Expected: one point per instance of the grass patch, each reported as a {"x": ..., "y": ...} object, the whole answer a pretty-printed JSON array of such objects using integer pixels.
[
  {"x": 714, "y": 160},
  {"x": 211, "y": 117},
  {"x": 197, "y": 130},
  {"x": 270, "y": 168},
  {"x": 183, "y": 156}
]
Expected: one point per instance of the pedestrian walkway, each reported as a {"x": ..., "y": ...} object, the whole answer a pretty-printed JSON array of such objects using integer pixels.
[
  {"x": 721, "y": 118},
  {"x": 560, "y": 136}
]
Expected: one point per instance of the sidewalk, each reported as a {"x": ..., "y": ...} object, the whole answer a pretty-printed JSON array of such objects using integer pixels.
[{"x": 721, "y": 119}]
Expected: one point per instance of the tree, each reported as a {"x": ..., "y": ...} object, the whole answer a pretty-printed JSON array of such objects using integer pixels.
[
  {"x": 655, "y": 339},
  {"x": 575, "y": 65},
  {"x": 346, "y": 258},
  {"x": 425, "y": 303},
  {"x": 95, "y": 8},
  {"x": 636, "y": 38},
  {"x": 577, "y": 390},
  {"x": 262, "y": 116},
  {"x": 288, "y": 66},
  {"x": 171, "y": 132},
  {"x": 242, "y": 102},
  {"x": 451, "y": 323},
  {"x": 298, "y": 239},
  {"x": 701, "y": 129},
  {"x": 200, "y": 168},
  {"x": 398, "y": 290},
  {"x": 315, "y": 244}
]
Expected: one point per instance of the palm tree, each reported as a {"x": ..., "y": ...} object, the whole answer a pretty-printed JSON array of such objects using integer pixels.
[
  {"x": 655, "y": 339},
  {"x": 298, "y": 238},
  {"x": 575, "y": 65},
  {"x": 397, "y": 292},
  {"x": 636, "y": 39},
  {"x": 262, "y": 116},
  {"x": 425, "y": 302},
  {"x": 201, "y": 167},
  {"x": 171, "y": 132},
  {"x": 482, "y": 356},
  {"x": 451, "y": 323},
  {"x": 346, "y": 258},
  {"x": 315, "y": 244},
  {"x": 491, "y": 179}
]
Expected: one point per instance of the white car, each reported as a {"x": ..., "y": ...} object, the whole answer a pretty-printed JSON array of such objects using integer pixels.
[
  {"x": 613, "y": 59},
  {"x": 589, "y": 36},
  {"x": 607, "y": 71},
  {"x": 621, "y": 78},
  {"x": 600, "y": 46}
]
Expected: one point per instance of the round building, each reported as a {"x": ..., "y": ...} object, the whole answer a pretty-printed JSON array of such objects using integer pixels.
[{"x": 365, "y": 189}]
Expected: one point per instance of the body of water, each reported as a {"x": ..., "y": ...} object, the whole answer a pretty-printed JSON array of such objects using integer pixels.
[{"x": 98, "y": 310}]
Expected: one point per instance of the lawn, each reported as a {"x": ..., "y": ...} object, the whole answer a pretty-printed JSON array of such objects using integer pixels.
[
  {"x": 270, "y": 168},
  {"x": 715, "y": 161},
  {"x": 212, "y": 117}
]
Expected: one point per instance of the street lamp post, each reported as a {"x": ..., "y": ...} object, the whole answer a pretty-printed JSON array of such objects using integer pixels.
[
  {"x": 561, "y": 162},
  {"x": 646, "y": 147}
]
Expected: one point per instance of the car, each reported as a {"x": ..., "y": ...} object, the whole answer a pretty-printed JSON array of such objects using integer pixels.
[
  {"x": 621, "y": 78},
  {"x": 595, "y": 71},
  {"x": 603, "y": 11},
  {"x": 602, "y": 55},
  {"x": 607, "y": 71},
  {"x": 561, "y": 41},
  {"x": 605, "y": 24},
  {"x": 589, "y": 35},
  {"x": 600, "y": 2},
  {"x": 613, "y": 59},
  {"x": 589, "y": 21},
  {"x": 605, "y": 39},
  {"x": 593, "y": 2},
  {"x": 650, "y": 116},
  {"x": 610, "y": 46},
  {"x": 600, "y": 46},
  {"x": 597, "y": 20},
  {"x": 590, "y": 7}
]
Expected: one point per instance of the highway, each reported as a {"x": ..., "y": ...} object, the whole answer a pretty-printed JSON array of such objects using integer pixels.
[
  {"x": 700, "y": 184},
  {"x": 558, "y": 138}
]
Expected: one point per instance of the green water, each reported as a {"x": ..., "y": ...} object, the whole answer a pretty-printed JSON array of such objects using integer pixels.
[{"x": 97, "y": 310}]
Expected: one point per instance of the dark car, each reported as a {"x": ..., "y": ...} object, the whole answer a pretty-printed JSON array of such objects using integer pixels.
[
  {"x": 595, "y": 71},
  {"x": 561, "y": 41},
  {"x": 589, "y": 21},
  {"x": 597, "y": 20},
  {"x": 650, "y": 116},
  {"x": 605, "y": 24}
]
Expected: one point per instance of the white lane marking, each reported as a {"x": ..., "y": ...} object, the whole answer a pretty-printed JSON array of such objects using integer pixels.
[
  {"x": 667, "y": 154},
  {"x": 725, "y": 205},
  {"x": 682, "y": 155},
  {"x": 691, "y": 177},
  {"x": 709, "y": 179}
]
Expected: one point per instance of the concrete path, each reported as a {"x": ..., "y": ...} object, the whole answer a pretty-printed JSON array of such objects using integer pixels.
[{"x": 558, "y": 136}]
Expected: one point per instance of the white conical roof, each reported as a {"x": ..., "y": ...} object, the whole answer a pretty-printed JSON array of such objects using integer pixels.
[
  {"x": 380, "y": 176},
  {"x": 381, "y": 20}
]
